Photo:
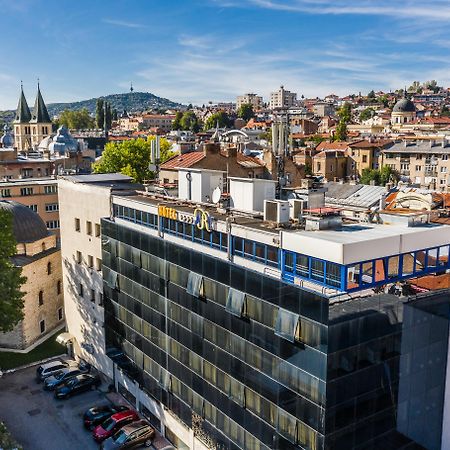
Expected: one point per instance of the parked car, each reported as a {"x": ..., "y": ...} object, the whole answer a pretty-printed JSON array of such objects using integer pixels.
[
  {"x": 113, "y": 424},
  {"x": 55, "y": 380},
  {"x": 130, "y": 436},
  {"x": 77, "y": 384},
  {"x": 96, "y": 415},
  {"x": 45, "y": 370}
]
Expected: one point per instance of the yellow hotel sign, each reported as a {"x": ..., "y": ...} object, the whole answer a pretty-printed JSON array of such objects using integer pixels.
[{"x": 167, "y": 212}]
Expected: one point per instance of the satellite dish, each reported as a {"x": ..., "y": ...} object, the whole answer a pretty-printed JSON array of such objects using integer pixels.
[{"x": 217, "y": 193}]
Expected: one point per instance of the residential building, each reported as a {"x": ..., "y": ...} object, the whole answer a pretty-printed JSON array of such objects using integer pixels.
[
  {"x": 83, "y": 201},
  {"x": 212, "y": 157},
  {"x": 249, "y": 99},
  {"x": 38, "y": 194},
  {"x": 323, "y": 109},
  {"x": 40, "y": 260},
  {"x": 160, "y": 121},
  {"x": 365, "y": 154},
  {"x": 282, "y": 99},
  {"x": 243, "y": 335},
  {"x": 330, "y": 160},
  {"x": 422, "y": 162}
]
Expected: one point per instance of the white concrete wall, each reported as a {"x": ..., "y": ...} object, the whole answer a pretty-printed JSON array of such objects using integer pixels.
[{"x": 84, "y": 318}]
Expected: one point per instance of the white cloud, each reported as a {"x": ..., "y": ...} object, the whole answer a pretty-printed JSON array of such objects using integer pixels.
[
  {"x": 122, "y": 23},
  {"x": 438, "y": 10}
]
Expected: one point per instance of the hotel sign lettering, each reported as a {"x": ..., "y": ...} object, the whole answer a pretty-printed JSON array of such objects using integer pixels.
[
  {"x": 167, "y": 212},
  {"x": 201, "y": 218}
]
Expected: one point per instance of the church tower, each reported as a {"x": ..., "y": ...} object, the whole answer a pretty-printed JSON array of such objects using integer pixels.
[
  {"x": 22, "y": 129},
  {"x": 40, "y": 123}
]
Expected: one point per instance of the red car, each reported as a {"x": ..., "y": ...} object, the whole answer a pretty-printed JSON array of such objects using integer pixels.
[{"x": 114, "y": 423}]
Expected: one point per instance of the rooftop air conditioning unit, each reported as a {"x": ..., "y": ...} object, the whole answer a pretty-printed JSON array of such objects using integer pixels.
[
  {"x": 276, "y": 211},
  {"x": 296, "y": 208}
]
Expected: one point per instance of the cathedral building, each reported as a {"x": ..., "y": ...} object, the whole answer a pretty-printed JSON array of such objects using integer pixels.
[{"x": 31, "y": 128}]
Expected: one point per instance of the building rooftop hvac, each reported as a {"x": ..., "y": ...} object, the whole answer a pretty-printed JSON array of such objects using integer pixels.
[{"x": 27, "y": 225}]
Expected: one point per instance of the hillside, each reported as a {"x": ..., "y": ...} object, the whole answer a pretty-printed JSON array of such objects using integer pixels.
[{"x": 131, "y": 101}]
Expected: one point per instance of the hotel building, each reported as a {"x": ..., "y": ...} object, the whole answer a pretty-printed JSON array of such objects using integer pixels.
[{"x": 257, "y": 323}]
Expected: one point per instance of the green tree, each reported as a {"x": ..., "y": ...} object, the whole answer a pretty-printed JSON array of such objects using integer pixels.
[
  {"x": 366, "y": 114},
  {"x": 379, "y": 177},
  {"x": 11, "y": 279},
  {"x": 246, "y": 112},
  {"x": 384, "y": 100},
  {"x": 445, "y": 111},
  {"x": 108, "y": 115},
  {"x": 76, "y": 120},
  {"x": 100, "y": 112},
  {"x": 371, "y": 94},
  {"x": 370, "y": 175},
  {"x": 189, "y": 122},
  {"x": 131, "y": 158},
  {"x": 176, "y": 124},
  {"x": 387, "y": 174},
  {"x": 221, "y": 118},
  {"x": 345, "y": 114}
]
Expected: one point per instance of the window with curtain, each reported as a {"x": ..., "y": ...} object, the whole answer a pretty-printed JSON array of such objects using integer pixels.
[
  {"x": 195, "y": 285},
  {"x": 287, "y": 426},
  {"x": 165, "y": 380},
  {"x": 198, "y": 405},
  {"x": 287, "y": 325},
  {"x": 306, "y": 436},
  {"x": 136, "y": 257},
  {"x": 237, "y": 392},
  {"x": 112, "y": 280},
  {"x": 236, "y": 303}
]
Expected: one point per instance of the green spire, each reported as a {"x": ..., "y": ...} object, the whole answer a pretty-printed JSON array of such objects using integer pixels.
[
  {"x": 40, "y": 113},
  {"x": 23, "y": 114}
]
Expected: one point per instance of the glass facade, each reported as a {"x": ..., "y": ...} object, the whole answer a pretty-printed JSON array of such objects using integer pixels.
[
  {"x": 249, "y": 361},
  {"x": 347, "y": 278}
]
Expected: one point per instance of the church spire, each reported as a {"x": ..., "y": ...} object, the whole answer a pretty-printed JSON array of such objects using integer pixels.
[
  {"x": 23, "y": 114},
  {"x": 40, "y": 113}
]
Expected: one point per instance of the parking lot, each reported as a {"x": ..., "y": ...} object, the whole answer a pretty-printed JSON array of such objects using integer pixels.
[{"x": 38, "y": 421}]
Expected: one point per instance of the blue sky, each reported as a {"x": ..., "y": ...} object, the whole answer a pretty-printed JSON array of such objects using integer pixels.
[{"x": 210, "y": 50}]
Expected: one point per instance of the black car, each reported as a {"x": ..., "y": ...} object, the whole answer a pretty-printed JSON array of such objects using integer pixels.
[
  {"x": 60, "y": 377},
  {"x": 77, "y": 384},
  {"x": 98, "y": 414}
]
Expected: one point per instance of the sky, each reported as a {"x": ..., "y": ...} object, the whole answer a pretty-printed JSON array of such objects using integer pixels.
[{"x": 196, "y": 51}]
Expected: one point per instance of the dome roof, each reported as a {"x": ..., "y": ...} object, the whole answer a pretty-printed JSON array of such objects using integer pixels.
[
  {"x": 63, "y": 142},
  {"x": 404, "y": 105},
  {"x": 27, "y": 225},
  {"x": 7, "y": 140},
  {"x": 43, "y": 145}
]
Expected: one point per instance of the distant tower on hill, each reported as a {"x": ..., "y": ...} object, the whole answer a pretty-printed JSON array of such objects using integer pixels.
[{"x": 131, "y": 87}]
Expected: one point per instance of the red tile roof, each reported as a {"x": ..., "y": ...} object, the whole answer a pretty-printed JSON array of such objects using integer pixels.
[
  {"x": 186, "y": 160},
  {"x": 332, "y": 146}
]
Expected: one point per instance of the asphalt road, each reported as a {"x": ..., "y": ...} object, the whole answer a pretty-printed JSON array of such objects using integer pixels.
[{"x": 38, "y": 421}]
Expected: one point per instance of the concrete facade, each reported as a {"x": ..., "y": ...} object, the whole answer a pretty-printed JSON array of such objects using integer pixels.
[
  {"x": 81, "y": 204},
  {"x": 40, "y": 195}
]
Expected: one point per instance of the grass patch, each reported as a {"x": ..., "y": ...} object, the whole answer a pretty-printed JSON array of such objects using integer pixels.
[
  {"x": 47, "y": 349},
  {"x": 6, "y": 440}
]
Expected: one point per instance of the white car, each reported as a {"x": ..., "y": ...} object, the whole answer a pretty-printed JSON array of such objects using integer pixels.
[{"x": 45, "y": 370}]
